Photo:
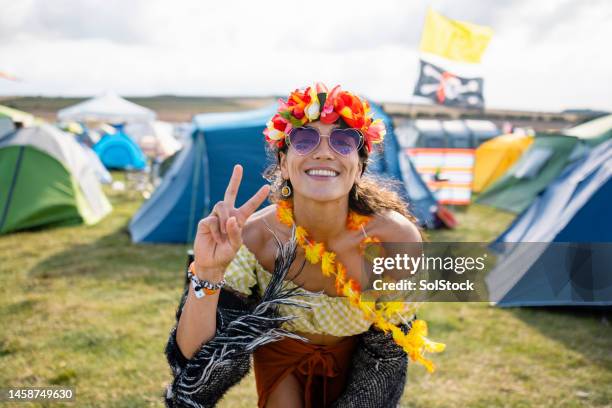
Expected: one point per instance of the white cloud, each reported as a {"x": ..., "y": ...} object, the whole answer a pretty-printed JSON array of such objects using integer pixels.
[{"x": 544, "y": 55}]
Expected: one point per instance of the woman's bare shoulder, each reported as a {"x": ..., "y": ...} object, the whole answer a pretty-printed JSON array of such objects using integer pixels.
[
  {"x": 392, "y": 226},
  {"x": 255, "y": 231}
]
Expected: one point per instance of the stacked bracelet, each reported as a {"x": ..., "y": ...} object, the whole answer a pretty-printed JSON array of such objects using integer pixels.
[{"x": 203, "y": 287}]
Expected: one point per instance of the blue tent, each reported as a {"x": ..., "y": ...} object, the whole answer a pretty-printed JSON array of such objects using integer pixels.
[
  {"x": 198, "y": 176},
  {"x": 396, "y": 164},
  {"x": 565, "y": 241},
  {"x": 119, "y": 151}
]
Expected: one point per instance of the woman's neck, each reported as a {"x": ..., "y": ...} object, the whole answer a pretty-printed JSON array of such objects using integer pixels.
[{"x": 324, "y": 221}]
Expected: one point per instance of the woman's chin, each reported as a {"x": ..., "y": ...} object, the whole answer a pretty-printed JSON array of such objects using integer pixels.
[{"x": 322, "y": 196}]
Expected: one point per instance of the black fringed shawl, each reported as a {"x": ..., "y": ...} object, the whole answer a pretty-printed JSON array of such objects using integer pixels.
[{"x": 377, "y": 375}]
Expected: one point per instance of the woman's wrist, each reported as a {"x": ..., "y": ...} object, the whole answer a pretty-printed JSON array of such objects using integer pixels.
[{"x": 211, "y": 274}]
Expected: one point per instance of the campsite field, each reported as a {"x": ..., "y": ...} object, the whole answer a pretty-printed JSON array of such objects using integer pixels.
[{"x": 84, "y": 307}]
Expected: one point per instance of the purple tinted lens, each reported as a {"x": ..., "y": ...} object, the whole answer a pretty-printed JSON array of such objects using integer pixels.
[
  {"x": 345, "y": 141},
  {"x": 304, "y": 140}
]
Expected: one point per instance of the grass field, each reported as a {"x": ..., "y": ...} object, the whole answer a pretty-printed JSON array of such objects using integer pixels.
[{"x": 83, "y": 306}]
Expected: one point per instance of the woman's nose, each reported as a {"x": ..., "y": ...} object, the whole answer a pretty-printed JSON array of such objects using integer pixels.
[{"x": 323, "y": 150}]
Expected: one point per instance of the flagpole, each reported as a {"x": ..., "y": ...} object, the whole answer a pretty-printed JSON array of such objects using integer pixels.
[{"x": 411, "y": 104}]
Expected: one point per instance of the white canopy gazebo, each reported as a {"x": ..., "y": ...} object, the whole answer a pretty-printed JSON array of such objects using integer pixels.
[{"x": 109, "y": 108}]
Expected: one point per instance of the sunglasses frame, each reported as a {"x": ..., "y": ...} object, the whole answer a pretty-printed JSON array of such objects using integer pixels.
[{"x": 361, "y": 140}]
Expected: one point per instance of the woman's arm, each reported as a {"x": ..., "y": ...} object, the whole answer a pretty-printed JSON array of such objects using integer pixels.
[
  {"x": 197, "y": 321},
  {"x": 241, "y": 326},
  {"x": 218, "y": 238}
]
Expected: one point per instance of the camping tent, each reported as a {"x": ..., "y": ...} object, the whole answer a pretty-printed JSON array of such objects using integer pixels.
[
  {"x": 156, "y": 138},
  {"x": 109, "y": 108},
  {"x": 495, "y": 156},
  {"x": 430, "y": 133},
  {"x": 594, "y": 131},
  {"x": 458, "y": 134},
  {"x": 199, "y": 174},
  {"x": 100, "y": 171},
  {"x": 434, "y": 133},
  {"x": 542, "y": 162},
  {"x": 24, "y": 118},
  {"x": 118, "y": 151},
  {"x": 6, "y": 124},
  {"x": 46, "y": 179},
  {"x": 395, "y": 164},
  {"x": 481, "y": 130},
  {"x": 565, "y": 252}
]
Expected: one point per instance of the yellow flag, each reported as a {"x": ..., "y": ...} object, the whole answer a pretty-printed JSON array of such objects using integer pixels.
[{"x": 453, "y": 39}]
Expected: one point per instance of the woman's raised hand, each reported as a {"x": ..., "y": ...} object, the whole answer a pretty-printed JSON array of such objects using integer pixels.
[{"x": 219, "y": 235}]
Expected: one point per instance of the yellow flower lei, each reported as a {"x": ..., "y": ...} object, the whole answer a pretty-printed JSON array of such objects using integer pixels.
[{"x": 415, "y": 343}]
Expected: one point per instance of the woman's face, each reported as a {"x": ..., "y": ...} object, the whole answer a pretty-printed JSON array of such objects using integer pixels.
[{"x": 321, "y": 186}]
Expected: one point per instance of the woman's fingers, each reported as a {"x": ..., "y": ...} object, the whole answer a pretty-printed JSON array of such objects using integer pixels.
[
  {"x": 223, "y": 213},
  {"x": 232, "y": 187},
  {"x": 254, "y": 202},
  {"x": 234, "y": 233},
  {"x": 210, "y": 225}
]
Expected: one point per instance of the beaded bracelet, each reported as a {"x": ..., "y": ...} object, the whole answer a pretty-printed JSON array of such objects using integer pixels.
[{"x": 203, "y": 287}]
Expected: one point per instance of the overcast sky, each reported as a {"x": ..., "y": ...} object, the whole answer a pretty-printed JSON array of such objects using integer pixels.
[{"x": 544, "y": 55}]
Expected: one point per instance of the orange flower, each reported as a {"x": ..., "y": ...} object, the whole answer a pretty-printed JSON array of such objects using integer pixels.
[
  {"x": 415, "y": 343},
  {"x": 370, "y": 248},
  {"x": 340, "y": 277},
  {"x": 284, "y": 212},
  {"x": 328, "y": 266},
  {"x": 350, "y": 108},
  {"x": 351, "y": 290},
  {"x": 313, "y": 252},
  {"x": 302, "y": 107},
  {"x": 355, "y": 220},
  {"x": 374, "y": 133},
  {"x": 300, "y": 235}
]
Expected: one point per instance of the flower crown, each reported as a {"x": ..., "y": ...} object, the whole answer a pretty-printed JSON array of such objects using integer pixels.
[{"x": 316, "y": 103}]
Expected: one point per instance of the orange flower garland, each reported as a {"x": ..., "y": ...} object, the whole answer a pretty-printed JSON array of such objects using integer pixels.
[{"x": 415, "y": 342}]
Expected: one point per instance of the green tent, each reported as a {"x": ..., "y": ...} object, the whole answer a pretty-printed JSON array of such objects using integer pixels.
[
  {"x": 46, "y": 179},
  {"x": 543, "y": 162}
]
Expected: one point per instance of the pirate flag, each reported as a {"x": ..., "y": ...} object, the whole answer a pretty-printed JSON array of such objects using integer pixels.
[{"x": 445, "y": 88}]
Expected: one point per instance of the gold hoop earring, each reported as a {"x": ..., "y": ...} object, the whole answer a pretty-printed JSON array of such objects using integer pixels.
[{"x": 286, "y": 189}]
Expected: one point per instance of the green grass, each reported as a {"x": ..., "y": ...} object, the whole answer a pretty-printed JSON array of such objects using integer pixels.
[{"x": 83, "y": 306}]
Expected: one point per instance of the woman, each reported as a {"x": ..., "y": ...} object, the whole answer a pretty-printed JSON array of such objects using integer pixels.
[{"x": 323, "y": 204}]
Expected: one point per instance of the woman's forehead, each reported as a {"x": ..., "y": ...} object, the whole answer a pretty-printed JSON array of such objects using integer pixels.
[{"x": 321, "y": 126}]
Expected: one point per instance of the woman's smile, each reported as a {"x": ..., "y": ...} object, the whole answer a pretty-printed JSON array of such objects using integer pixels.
[{"x": 322, "y": 173}]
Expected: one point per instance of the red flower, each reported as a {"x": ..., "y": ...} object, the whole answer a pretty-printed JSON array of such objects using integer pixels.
[
  {"x": 329, "y": 114},
  {"x": 277, "y": 130}
]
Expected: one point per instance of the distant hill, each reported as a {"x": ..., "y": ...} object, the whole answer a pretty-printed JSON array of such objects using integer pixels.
[{"x": 168, "y": 107}]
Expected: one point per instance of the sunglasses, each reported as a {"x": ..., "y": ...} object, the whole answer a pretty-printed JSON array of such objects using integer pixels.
[{"x": 343, "y": 141}]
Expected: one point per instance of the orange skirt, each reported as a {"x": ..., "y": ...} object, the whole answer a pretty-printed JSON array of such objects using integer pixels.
[{"x": 320, "y": 370}]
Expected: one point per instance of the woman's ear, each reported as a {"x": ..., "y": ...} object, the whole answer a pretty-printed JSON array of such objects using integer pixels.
[
  {"x": 359, "y": 171},
  {"x": 283, "y": 165}
]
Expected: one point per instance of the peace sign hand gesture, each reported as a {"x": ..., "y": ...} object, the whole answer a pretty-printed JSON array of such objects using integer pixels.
[{"x": 219, "y": 236}]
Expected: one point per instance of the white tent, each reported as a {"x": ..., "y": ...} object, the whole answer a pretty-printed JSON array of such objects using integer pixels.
[
  {"x": 110, "y": 108},
  {"x": 592, "y": 129},
  {"x": 156, "y": 139}
]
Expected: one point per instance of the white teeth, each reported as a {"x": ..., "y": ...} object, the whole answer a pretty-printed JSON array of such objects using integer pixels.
[{"x": 321, "y": 172}]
